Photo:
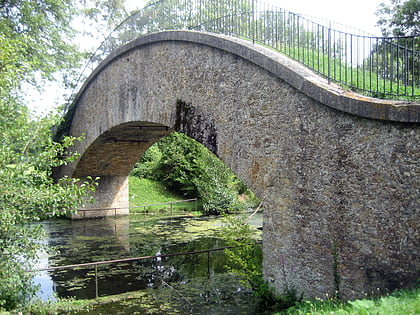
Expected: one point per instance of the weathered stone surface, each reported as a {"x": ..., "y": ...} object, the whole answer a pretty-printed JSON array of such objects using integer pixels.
[{"x": 333, "y": 184}]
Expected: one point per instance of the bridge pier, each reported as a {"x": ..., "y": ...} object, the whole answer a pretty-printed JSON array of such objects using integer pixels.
[{"x": 111, "y": 194}]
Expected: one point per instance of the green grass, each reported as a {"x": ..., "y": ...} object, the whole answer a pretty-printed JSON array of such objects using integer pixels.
[
  {"x": 363, "y": 81},
  {"x": 148, "y": 192},
  {"x": 402, "y": 302},
  {"x": 358, "y": 79}
]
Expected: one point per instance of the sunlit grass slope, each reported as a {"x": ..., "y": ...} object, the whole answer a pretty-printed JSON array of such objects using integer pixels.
[{"x": 147, "y": 192}]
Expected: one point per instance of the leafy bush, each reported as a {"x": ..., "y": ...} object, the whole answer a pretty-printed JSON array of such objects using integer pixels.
[
  {"x": 148, "y": 165},
  {"x": 28, "y": 194}
]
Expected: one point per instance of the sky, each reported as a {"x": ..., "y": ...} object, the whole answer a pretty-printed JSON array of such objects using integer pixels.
[
  {"x": 359, "y": 14},
  {"x": 356, "y": 13}
]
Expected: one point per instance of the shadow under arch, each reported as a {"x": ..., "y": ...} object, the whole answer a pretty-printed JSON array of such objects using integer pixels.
[{"x": 111, "y": 157}]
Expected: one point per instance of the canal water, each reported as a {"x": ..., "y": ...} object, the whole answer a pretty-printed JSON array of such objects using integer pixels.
[{"x": 186, "y": 284}]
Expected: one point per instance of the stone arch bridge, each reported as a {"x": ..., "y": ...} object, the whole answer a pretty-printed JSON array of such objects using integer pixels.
[{"x": 338, "y": 172}]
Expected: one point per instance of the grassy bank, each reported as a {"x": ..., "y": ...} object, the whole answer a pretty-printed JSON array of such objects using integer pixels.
[
  {"x": 149, "y": 192},
  {"x": 401, "y": 302}
]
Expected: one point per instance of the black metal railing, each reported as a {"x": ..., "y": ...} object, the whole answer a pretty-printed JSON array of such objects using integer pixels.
[
  {"x": 96, "y": 264},
  {"x": 139, "y": 209},
  {"x": 383, "y": 67}
]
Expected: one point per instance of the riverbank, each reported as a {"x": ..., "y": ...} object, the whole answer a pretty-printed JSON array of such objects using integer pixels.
[{"x": 402, "y": 302}]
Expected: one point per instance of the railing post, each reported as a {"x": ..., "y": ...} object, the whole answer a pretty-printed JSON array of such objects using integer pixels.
[
  {"x": 96, "y": 281},
  {"x": 200, "y": 23},
  {"x": 298, "y": 37},
  {"x": 329, "y": 54},
  {"x": 254, "y": 27},
  {"x": 208, "y": 264}
]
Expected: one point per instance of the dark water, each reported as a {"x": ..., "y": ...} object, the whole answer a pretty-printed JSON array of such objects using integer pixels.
[{"x": 196, "y": 284}]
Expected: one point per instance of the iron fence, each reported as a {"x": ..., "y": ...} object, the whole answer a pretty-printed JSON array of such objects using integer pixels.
[
  {"x": 143, "y": 208},
  {"x": 383, "y": 67},
  {"x": 96, "y": 264}
]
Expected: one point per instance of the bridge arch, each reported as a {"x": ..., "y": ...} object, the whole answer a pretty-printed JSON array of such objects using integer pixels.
[{"x": 338, "y": 172}]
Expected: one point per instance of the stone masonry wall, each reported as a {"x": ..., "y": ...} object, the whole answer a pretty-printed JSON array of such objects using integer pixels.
[{"x": 340, "y": 192}]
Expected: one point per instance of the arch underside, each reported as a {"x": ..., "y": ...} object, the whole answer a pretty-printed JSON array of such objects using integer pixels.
[
  {"x": 115, "y": 152},
  {"x": 340, "y": 191}
]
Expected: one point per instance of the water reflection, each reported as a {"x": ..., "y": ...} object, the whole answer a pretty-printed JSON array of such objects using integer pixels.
[
  {"x": 130, "y": 236},
  {"x": 43, "y": 279}
]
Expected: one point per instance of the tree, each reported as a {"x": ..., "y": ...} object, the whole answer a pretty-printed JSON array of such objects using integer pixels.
[
  {"x": 38, "y": 38},
  {"x": 28, "y": 194},
  {"x": 399, "y": 18},
  {"x": 99, "y": 19},
  {"x": 35, "y": 44},
  {"x": 398, "y": 57}
]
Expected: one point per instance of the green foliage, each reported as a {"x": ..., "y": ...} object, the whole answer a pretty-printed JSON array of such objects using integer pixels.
[
  {"x": 399, "y": 18},
  {"x": 270, "y": 300},
  {"x": 37, "y": 36},
  {"x": 245, "y": 260},
  {"x": 35, "y": 44},
  {"x": 148, "y": 164},
  {"x": 187, "y": 167},
  {"x": 399, "y": 302},
  {"x": 27, "y": 194},
  {"x": 217, "y": 198},
  {"x": 103, "y": 15},
  {"x": 244, "y": 256},
  {"x": 179, "y": 167}
]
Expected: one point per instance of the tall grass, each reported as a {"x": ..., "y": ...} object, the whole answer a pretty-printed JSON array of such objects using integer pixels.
[{"x": 401, "y": 302}]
